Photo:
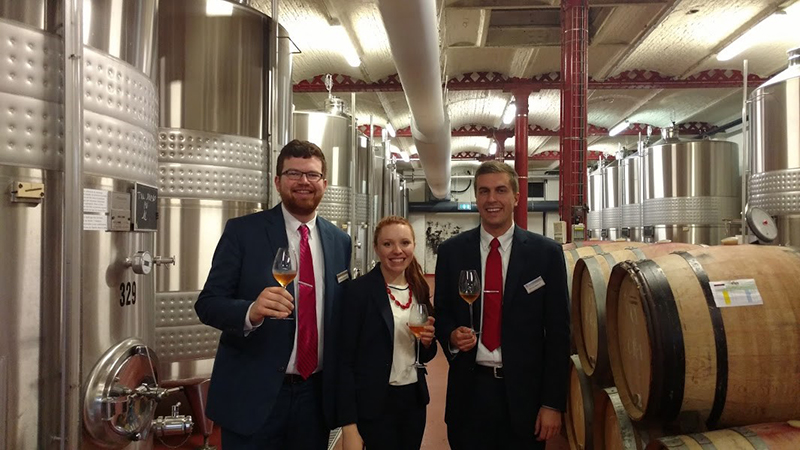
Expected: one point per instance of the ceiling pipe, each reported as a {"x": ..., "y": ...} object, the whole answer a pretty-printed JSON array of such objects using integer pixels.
[{"x": 411, "y": 26}]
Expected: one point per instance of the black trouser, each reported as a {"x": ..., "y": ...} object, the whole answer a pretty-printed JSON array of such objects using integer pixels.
[
  {"x": 401, "y": 424},
  {"x": 295, "y": 423},
  {"x": 487, "y": 426}
]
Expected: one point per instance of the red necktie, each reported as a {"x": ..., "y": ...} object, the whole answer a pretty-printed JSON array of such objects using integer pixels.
[
  {"x": 306, "y": 310},
  {"x": 492, "y": 298}
]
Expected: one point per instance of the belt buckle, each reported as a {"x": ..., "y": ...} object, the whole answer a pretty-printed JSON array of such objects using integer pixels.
[{"x": 495, "y": 371}]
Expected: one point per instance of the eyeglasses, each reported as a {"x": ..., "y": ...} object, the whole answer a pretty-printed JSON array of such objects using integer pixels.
[{"x": 295, "y": 175}]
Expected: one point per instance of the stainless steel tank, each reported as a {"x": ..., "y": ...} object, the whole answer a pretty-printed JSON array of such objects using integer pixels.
[
  {"x": 611, "y": 201},
  {"x": 594, "y": 190},
  {"x": 690, "y": 188},
  {"x": 774, "y": 186},
  {"x": 119, "y": 106},
  {"x": 362, "y": 240},
  {"x": 213, "y": 156},
  {"x": 630, "y": 202}
]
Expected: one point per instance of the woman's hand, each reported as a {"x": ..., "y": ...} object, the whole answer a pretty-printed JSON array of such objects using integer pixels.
[
  {"x": 426, "y": 337},
  {"x": 351, "y": 439}
]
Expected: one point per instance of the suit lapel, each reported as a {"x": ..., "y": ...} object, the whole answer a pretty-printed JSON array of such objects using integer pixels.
[
  {"x": 515, "y": 264},
  {"x": 472, "y": 257},
  {"x": 276, "y": 229},
  {"x": 378, "y": 285}
]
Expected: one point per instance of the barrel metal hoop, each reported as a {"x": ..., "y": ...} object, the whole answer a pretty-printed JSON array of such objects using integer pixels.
[
  {"x": 705, "y": 442},
  {"x": 720, "y": 341},
  {"x": 636, "y": 251},
  {"x": 597, "y": 249},
  {"x": 609, "y": 259},
  {"x": 664, "y": 326},
  {"x": 600, "y": 285},
  {"x": 753, "y": 438}
]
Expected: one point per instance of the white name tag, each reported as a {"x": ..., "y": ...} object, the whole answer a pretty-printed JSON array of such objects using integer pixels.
[
  {"x": 534, "y": 284},
  {"x": 342, "y": 276}
]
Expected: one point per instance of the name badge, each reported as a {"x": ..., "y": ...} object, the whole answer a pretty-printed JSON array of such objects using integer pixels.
[
  {"x": 534, "y": 284},
  {"x": 342, "y": 276}
]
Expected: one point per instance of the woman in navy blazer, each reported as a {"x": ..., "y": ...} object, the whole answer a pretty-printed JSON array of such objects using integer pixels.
[{"x": 382, "y": 398}]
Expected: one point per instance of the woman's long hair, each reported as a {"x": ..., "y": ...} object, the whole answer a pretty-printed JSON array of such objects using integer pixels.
[{"x": 414, "y": 274}]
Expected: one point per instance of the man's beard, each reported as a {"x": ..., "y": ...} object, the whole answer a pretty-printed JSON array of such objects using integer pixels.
[{"x": 301, "y": 207}]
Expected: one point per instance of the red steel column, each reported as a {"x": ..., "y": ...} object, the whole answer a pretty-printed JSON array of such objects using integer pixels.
[
  {"x": 521, "y": 155},
  {"x": 500, "y": 137},
  {"x": 574, "y": 86}
]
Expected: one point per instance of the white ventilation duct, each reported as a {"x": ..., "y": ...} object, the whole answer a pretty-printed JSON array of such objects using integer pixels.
[{"x": 411, "y": 26}]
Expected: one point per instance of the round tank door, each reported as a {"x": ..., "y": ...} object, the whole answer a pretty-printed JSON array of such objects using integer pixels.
[{"x": 121, "y": 395}]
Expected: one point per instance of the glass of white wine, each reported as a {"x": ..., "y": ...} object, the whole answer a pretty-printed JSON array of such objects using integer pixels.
[
  {"x": 469, "y": 288},
  {"x": 417, "y": 320},
  {"x": 284, "y": 268}
]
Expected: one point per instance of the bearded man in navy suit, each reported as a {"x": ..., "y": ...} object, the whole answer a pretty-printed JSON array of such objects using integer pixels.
[
  {"x": 507, "y": 382},
  {"x": 274, "y": 375}
]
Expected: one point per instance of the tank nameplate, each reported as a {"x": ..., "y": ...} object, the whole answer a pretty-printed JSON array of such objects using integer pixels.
[{"x": 776, "y": 192}]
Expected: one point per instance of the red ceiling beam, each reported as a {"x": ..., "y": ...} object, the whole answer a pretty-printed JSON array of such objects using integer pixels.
[
  {"x": 685, "y": 129},
  {"x": 541, "y": 156},
  {"x": 632, "y": 79}
]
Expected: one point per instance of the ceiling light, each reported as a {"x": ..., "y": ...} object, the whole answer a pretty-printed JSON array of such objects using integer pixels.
[
  {"x": 404, "y": 156},
  {"x": 362, "y": 140},
  {"x": 345, "y": 45},
  {"x": 493, "y": 148},
  {"x": 619, "y": 128},
  {"x": 774, "y": 27},
  {"x": 218, "y": 8},
  {"x": 510, "y": 113},
  {"x": 390, "y": 130}
]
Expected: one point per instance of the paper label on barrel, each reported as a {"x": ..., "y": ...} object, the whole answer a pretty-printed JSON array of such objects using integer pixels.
[{"x": 735, "y": 293}]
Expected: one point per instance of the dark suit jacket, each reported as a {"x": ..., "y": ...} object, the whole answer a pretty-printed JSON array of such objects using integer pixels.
[
  {"x": 535, "y": 326},
  {"x": 367, "y": 345},
  {"x": 249, "y": 370}
]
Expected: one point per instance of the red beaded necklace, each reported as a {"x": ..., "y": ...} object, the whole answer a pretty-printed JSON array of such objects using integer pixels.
[{"x": 391, "y": 296}]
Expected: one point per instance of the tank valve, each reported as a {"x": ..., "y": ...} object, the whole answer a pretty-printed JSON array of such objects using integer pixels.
[
  {"x": 164, "y": 260},
  {"x": 141, "y": 262},
  {"x": 173, "y": 425}
]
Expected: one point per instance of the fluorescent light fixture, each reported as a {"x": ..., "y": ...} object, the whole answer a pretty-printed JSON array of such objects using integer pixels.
[
  {"x": 345, "y": 46},
  {"x": 776, "y": 26},
  {"x": 404, "y": 156},
  {"x": 510, "y": 113},
  {"x": 362, "y": 140},
  {"x": 493, "y": 148},
  {"x": 218, "y": 8},
  {"x": 619, "y": 128},
  {"x": 390, "y": 130}
]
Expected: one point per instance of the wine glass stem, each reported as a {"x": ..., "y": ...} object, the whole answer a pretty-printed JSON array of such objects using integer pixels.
[
  {"x": 471, "y": 320},
  {"x": 417, "y": 351}
]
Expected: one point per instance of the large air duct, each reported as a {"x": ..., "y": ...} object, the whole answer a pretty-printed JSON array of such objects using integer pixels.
[{"x": 413, "y": 36}]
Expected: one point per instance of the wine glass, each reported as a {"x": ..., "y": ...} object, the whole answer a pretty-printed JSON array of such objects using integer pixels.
[
  {"x": 469, "y": 288},
  {"x": 284, "y": 268},
  {"x": 417, "y": 320}
]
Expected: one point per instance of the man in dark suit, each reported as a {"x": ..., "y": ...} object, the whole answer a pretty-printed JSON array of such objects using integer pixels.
[
  {"x": 274, "y": 375},
  {"x": 507, "y": 383}
]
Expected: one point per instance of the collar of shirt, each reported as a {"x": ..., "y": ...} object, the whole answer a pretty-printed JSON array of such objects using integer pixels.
[
  {"x": 505, "y": 239},
  {"x": 293, "y": 224}
]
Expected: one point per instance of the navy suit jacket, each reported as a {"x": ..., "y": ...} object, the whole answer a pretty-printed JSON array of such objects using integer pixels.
[
  {"x": 249, "y": 370},
  {"x": 534, "y": 330},
  {"x": 367, "y": 346}
]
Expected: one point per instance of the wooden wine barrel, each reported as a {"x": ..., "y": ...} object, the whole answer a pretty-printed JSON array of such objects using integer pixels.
[
  {"x": 613, "y": 430},
  {"x": 676, "y": 347},
  {"x": 579, "y": 244},
  {"x": 589, "y": 304},
  {"x": 772, "y": 436},
  {"x": 572, "y": 256},
  {"x": 580, "y": 408}
]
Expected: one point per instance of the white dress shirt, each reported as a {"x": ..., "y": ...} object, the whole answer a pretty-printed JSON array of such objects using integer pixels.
[
  {"x": 484, "y": 356},
  {"x": 293, "y": 235},
  {"x": 404, "y": 348}
]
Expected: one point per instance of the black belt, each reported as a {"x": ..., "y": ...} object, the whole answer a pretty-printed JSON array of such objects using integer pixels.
[
  {"x": 292, "y": 378},
  {"x": 496, "y": 372}
]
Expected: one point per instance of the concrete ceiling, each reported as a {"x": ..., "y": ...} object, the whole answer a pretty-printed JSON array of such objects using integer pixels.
[{"x": 521, "y": 38}]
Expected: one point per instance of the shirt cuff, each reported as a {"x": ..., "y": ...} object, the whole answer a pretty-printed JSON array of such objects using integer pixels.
[
  {"x": 551, "y": 408},
  {"x": 248, "y": 327},
  {"x": 451, "y": 349}
]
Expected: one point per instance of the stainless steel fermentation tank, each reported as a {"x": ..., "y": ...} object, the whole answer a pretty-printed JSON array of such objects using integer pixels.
[
  {"x": 774, "y": 111},
  {"x": 594, "y": 190},
  {"x": 630, "y": 214},
  {"x": 691, "y": 187},
  {"x": 214, "y": 158},
  {"x": 112, "y": 353},
  {"x": 611, "y": 201},
  {"x": 346, "y": 200}
]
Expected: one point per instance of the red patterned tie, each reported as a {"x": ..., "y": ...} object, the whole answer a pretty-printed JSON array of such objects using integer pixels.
[
  {"x": 306, "y": 310},
  {"x": 492, "y": 298}
]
